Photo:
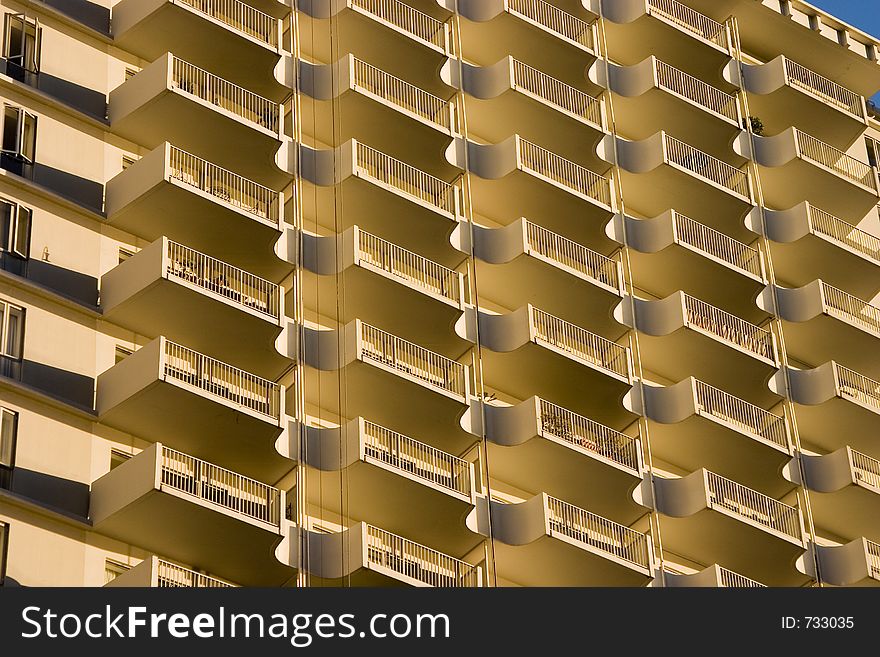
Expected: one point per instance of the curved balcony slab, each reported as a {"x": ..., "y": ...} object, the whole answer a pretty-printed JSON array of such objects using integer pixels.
[
  {"x": 856, "y": 563},
  {"x": 714, "y": 576},
  {"x": 155, "y": 572}
]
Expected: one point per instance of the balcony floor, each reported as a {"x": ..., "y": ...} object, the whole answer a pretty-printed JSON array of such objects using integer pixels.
[
  {"x": 849, "y": 513},
  {"x": 826, "y": 338},
  {"x": 839, "y": 422},
  {"x": 811, "y": 257}
]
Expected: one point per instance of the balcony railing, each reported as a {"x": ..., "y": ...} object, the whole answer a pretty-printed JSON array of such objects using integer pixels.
[
  {"x": 753, "y": 505},
  {"x": 731, "y": 580},
  {"x": 418, "y": 562},
  {"x": 409, "y": 358},
  {"x": 171, "y": 575},
  {"x": 230, "y": 282},
  {"x": 417, "y": 458},
  {"x": 705, "y": 95},
  {"x": 858, "y": 386},
  {"x": 225, "y": 186},
  {"x": 845, "y": 233},
  {"x": 406, "y": 179},
  {"x": 866, "y": 469},
  {"x": 691, "y": 21},
  {"x": 573, "y": 255},
  {"x": 835, "y": 159},
  {"x": 573, "y": 176},
  {"x": 403, "y": 94},
  {"x": 851, "y": 309},
  {"x": 706, "y": 166},
  {"x": 582, "y": 432},
  {"x": 729, "y": 327},
  {"x": 239, "y": 16},
  {"x": 598, "y": 532},
  {"x": 408, "y": 19},
  {"x": 221, "y": 380},
  {"x": 717, "y": 244},
  {"x": 580, "y": 343},
  {"x": 226, "y": 95},
  {"x": 554, "y": 20},
  {"x": 557, "y": 93},
  {"x": 742, "y": 414},
  {"x": 826, "y": 90},
  {"x": 219, "y": 486},
  {"x": 873, "y": 554},
  {"x": 410, "y": 267}
]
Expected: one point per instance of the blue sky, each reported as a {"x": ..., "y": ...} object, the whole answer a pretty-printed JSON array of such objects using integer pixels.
[{"x": 863, "y": 14}]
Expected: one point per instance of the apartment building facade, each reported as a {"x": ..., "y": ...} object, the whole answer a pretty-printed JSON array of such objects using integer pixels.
[{"x": 439, "y": 293}]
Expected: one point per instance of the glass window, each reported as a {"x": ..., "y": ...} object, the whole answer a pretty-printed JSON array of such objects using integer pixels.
[
  {"x": 113, "y": 569},
  {"x": 19, "y": 133},
  {"x": 11, "y": 339},
  {"x": 117, "y": 458},
  {"x": 8, "y": 430},
  {"x": 22, "y": 44},
  {"x": 122, "y": 353},
  {"x": 4, "y": 544},
  {"x": 15, "y": 228}
]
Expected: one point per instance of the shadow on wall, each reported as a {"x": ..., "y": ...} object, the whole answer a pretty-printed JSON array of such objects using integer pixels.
[
  {"x": 65, "y": 494},
  {"x": 72, "y": 284},
  {"x": 87, "y": 13},
  {"x": 81, "y": 98},
  {"x": 74, "y": 388},
  {"x": 83, "y": 191}
]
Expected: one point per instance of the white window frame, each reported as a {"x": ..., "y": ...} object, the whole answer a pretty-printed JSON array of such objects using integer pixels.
[
  {"x": 18, "y": 149},
  {"x": 27, "y": 25},
  {"x": 18, "y": 235}
]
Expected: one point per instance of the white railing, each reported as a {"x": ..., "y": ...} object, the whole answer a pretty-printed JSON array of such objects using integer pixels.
[
  {"x": 412, "y": 21},
  {"x": 731, "y": 580},
  {"x": 691, "y": 21},
  {"x": 717, "y": 244},
  {"x": 417, "y": 458},
  {"x": 404, "y": 356},
  {"x": 731, "y": 328},
  {"x": 581, "y": 343},
  {"x": 748, "y": 417},
  {"x": 845, "y": 233},
  {"x": 410, "y": 267},
  {"x": 706, "y": 166},
  {"x": 402, "y": 93},
  {"x": 598, "y": 532},
  {"x": 753, "y": 505},
  {"x": 554, "y": 20},
  {"x": 557, "y": 93},
  {"x": 589, "y": 435},
  {"x": 872, "y": 550},
  {"x": 221, "y": 380},
  {"x": 418, "y": 562},
  {"x": 579, "y": 179},
  {"x": 858, "y": 386},
  {"x": 835, "y": 159},
  {"x": 220, "y": 486},
  {"x": 170, "y": 575},
  {"x": 239, "y": 16},
  {"x": 851, "y": 309},
  {"x": 220, "y": 278},
  {"x": 572, "y": 255},
  {"x": 244, "y": 194},
  {"x": 226, "y": 95},
  {"x": 406, "y": 179},
  {"x": 827, "y": 90},
  {"x": 705, "y": 95},
  {"x": 865, "y": 468}
]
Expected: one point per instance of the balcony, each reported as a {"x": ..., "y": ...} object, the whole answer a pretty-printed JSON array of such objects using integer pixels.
[
  {"x": 797, "y": 166},
  {"x": 673, "y": 252},
  {"x": 391, "y": 380},
  {"x": 511, "y": 96},
  {"x": 168, "y": 287},
  {"x": 396, "y": 481},
  {"x": 534, "y": 31},
  {"x": 783, "y": 91},
  {"x": 856, "y": 563},
  {"x": 365, "y": 555},
  {"x": 714, "y": 576},
  {"x": 154, "y": 572},
  {"x": 384, "y": 196},
  {"x": 670, "y": 30},
  {"x": 169, "y": 502},
  {"x": 536, "y": 444},
  {"x": 713, "y": 519},
  {"x": 545, "y": 541},
  {"x": 822, "y": 322},
  {"x": 809, "y": 243},
  {"x": 531, "y": 352},
  {"x": 652, "y": 96},
  {"x": 172, "y": 193},
  {"x": 721, "y": 346},
  {"x": 694, "y": 424},
  {"x": 230, "y": 38},
  {"x": 524, "y": 261},
  {"x": 354, "y": 99},
  {"x": 663, "y": 172},
  {"x": 846, "y": 492},
  {"x": 387, "y": 33},
  {"x": 197, "y": 404},
  {"x": 174, "y": 100},
  {"x": 387, "y": 283}
]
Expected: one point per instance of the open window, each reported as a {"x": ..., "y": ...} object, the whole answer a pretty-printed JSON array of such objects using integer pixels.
[
  {"x": 21, "y": 47},
  {"x": 15, "y": 229},
  {"x": 4, "y": 544},
  {"x": 19, "y": 140},
  {"x": 8, "y": 435},
  {"x": 11, "y": 340}
]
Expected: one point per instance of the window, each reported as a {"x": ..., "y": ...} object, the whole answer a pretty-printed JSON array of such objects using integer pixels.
[
  {"x": 117, "y": 458},
  {"x": 15, "y": 228},
  {"x": 11, "y": 339},
  {"x": 122, "y": 353},
  {"x": 8, "y": 431},
  {"x": 19, "y": 141},
  {"x": 4, "y": 545},
  {"x": 113, "y": 569},
  {"x": 814, "y": 22},
  {"x": 873, "y": 148},
  {"x": 125, "y": 254},
  {"x": 130, "y": 73},
  {"x": 21, "y": 48},
  {"x": 127, "y": 161}
]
